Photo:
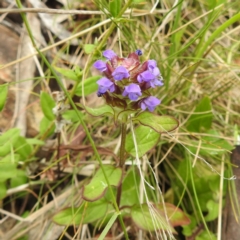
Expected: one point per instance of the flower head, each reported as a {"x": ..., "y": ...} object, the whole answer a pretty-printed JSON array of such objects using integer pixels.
[
  {"x": 133, "y": 91},
  {"x": 150, "y": 103},
  {"x": 100, "y": 65},
  {"x": 104, "y": 85},
  {"x": 120, "y": 73},
  {"x": 127, "y": 80}
]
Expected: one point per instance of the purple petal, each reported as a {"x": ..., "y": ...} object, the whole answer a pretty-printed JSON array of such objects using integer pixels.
[
  {"x": 120, "y": 73},
  {"x": 145, "y": 76},
  {"x": 156, "y": 71},
  {"x": 150, "y": 103},
  {"x": 104, "y": 85},
  {"x": 109, "y": 54},
  {"x": 151, "y": 64},
  {"x": 133, "y": 91},
  {"x": 100, "y": 65}
]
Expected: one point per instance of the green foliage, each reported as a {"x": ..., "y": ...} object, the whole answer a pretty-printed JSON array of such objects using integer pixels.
[
  {"x": 115, "y": 7},
  {"x": 146, "y": 139},
  {"x": 100, "y": 111},
  {"x": 47, "y": 105},
  {"x": 3, "y": 190},
  {"x": 13, "y": 149},
  {"x": 150, "y": 220},
  {"x": 89, "y": 48},
  {"x": 46, "y": 126},
  {"x": 98, "y": 185},
  {"x": 72, "y": 115},
  {"x": 202, "y": 116},
  {"x": 211, "y": 145},
  {"x": 130, "y": 195},
  {"x": 206, "y": 187},
  {"x": 88, "y": 212},
  {"x": 8, "y": 140},
  {"x": 205, "y": 235},
  {"x": 88, "y": 86},
  {"x": 74, "y": 75},
  {"x": 159, "y": 124},
  {"x": 3, "y": 95}
]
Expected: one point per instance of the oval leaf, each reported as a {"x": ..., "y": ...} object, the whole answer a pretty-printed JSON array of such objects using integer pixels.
[
  {"x": 69, "y": 73},
  {"x": 98, "y": 185},
  {"x": 89, "y": 86},
  {"x": 47, "y": 104},
  {"x": 176, "y": 216},
  {"x": 150, "y": 221},
  {"x": 86, "y": 213},
  {"x": 3, "y": 95},
  {"x": 159, "y": 124},
  {"x": 146, "y": 140},
  {"x": 115, "y": 7},
  {"x": 96, "y": 112},
  {"x": 89, "y": 48},
  {"x": 202, "y": 116}
]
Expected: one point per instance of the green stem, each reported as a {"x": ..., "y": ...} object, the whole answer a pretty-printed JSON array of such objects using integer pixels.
[
  {"x": 76, "y": 110},
  {"x": 122, "y": 158},
  {"x": 122, "y": 147}
]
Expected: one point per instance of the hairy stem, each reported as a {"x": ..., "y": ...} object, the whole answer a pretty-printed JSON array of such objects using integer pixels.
[{"x": 122, "y": 158}]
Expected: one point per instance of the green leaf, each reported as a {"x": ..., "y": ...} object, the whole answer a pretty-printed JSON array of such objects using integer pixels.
[
  {"x": 72, "y": 115},
  {"x": 23, "y": 148},
  {"x": 176, "y": 216},
  {"x": 202, "y": 116},
  {"x": 3, "y": 190},
  {"x": 213, "y": 208},
  {"x": 71, "y": 74},
  {"x": 19, "y": 179},
  {"x": 98, "y": 185},
  {"x": 115, "y": 7},
  {"x": 146, "y": 140},
  {"x": 203, "y": 235},
  {"x": 103, "y": 110},
  {"x": 3, "y": 95},
  {"x": 150, "y": 221},
  {"x": 89, "y": 48},
  {"x": 130, "y": 190},
  {"x": 159, "y": 124},
  {"x": 7, "y": 140},
  {"x": 189, "y": 229},
  {"x": 88, "y": 212},
  {"x": 47, "y": 105},
  {"x": 8, "y": 167},
  {"x": 89, "y": 86},
  {"x": 45, "y": 125},
  {"x": 34, "y": 141}
]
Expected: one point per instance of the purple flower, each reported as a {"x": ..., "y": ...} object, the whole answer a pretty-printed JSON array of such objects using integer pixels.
[
  {"x": 150, "y": 103},
  {"x": 145, "y": 76},
  {"x": 104, "y": 85},
  {"x": 109, "y": 54},
  {"x": 151, "y": 64},
  {"x": 120, "y": 72},
  {"x": 152, "y": 78},
  {"x": 100, "y": 65},
  {"x": 133, "y": 91}
]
